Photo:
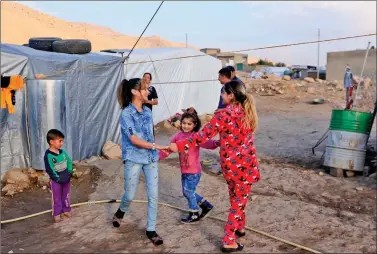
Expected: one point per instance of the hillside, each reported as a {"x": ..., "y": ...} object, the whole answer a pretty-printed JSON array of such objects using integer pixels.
[{"x": 19, "y": 23}]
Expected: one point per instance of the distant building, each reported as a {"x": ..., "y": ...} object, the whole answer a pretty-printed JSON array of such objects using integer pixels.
[
  {"x": 337, "y": 61},
  {"x": 211, "y": 51},
  {"x": 235, "y": 59}
]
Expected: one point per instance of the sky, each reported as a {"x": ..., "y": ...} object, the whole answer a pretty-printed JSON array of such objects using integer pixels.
[{"x": 234, "y": 25}]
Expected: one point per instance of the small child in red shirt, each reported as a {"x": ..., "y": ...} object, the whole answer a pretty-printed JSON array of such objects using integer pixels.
[{"x": 190, "y": 166}]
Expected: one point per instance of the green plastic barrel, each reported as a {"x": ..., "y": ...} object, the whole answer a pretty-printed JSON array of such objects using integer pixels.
[
  {"x": 352, "y": 121},
  {"x": 239, "y": 67}
]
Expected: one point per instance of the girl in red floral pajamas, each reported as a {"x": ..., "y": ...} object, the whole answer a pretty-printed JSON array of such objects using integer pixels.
[{"x": 235, "y": 125}]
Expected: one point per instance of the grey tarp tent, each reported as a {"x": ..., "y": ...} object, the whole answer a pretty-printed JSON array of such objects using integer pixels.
[
  {"x": 90, "y": 107},
  {"x": 87, "y": 96}
]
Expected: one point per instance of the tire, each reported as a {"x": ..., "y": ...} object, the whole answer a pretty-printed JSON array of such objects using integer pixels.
[
  {"x": 43, "y": 43},
  {"x": 72, "y": 46}
]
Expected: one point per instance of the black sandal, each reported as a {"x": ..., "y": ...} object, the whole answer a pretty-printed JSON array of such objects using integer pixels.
[
  {"x": 240, "y": 234},
  {"x": 116, "y": 222},
  {"x": 228, "y": 250},
  {"x": 155, "y": 239}
]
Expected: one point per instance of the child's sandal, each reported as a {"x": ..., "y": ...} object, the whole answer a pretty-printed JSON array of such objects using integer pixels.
[
  {"x": 116, "y": 222},
  {"x": 58, "y": 219},
  {"x": 68, "y": 215}
]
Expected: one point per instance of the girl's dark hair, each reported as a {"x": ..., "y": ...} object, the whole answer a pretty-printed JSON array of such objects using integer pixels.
[
  {"x": 191, "y": 113},
  {"x": 150, "y": 75},
  {"x": 246, "y": 100},
  {"x": 124, "y": 90},
  {"x": 54, "y": 134}
]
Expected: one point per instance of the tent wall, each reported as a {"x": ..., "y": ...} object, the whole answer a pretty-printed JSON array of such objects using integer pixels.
[{"x": 13, "y": 129}]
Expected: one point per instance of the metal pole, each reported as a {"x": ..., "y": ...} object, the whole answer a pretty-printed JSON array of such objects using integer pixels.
[
  {"x": 361, "y": 75},
  {"x": 186, "y": 40},
  {"x": 318, "y": 55}
]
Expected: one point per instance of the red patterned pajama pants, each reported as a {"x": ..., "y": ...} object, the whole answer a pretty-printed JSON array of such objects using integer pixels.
[{"x": 238, "y": 196}]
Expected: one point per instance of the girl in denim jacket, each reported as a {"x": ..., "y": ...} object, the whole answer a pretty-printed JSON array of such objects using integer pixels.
[
  {"x": 190, "y": 166},
  {"x": 139, "y": 152}
]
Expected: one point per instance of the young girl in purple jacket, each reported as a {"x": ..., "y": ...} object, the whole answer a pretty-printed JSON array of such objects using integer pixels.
[{"x": 190, "y": 166}]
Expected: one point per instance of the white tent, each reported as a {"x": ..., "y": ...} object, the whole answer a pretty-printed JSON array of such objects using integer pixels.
[
  {"x": 85, "y": 96},
  {"x": 183, "y": 77}
]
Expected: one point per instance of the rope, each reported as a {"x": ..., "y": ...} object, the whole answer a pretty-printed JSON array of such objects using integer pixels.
[
  {"x": 155, "y": 71},
  {"x": 43, "y": 76},
  {"x": 171, "y": 206},
  {"x": 266, "y": 47},
  {"x": 144, "y": 29}
]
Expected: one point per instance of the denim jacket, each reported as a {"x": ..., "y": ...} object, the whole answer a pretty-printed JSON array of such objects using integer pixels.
[{"x": 139, "y": 124}]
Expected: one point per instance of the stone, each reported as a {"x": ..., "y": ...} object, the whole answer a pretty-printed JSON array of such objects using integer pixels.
[
  {"x": 16, "y": 175},
  {"x": 292, "y": 86},
  {"x": 279, "y": 91},
  {"x": 44, "y": 187},
  {"x": 336, "y": 172},
  {"x": 359, "y": 188},
  {"x": 177, "y": 124},
  {"x": 339, "y": 87},
  {"x": 10, "y": 181},
  {"x": 309, "y": 80},
  {"x": 318, "y": 80},
  {"x": 92, "y": 159},
  {"x": 167, "y": 125},
  {"x": 286, "y": 77},
  {"x": 310, "y": 90},
  {"x": 373, "y": 175},
  {"x": 367, "y": 82},
  {"x": 350, "y": 173},
  {"x": 112, "y": 150},
  {"x": 321, "y": 173},
  {"x": 43, "y": 180},
  {"x": 254, "y": 197},
  {"x": 31, "y": 171}
]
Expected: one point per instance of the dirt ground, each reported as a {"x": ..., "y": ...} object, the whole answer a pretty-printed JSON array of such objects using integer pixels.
[{"x": 292, "y": 200}]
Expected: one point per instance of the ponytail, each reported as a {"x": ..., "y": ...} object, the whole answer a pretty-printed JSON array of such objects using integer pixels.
[
  {"x": 251, "y": 117},
  {"x": 124, "y": 93}
]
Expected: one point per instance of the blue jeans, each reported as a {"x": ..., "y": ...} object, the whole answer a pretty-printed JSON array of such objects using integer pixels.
[
  {"x": 131, "y": 180},
  {"x": 189, "y": 183}
]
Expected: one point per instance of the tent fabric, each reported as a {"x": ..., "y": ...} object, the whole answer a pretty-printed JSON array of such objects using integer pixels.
[{"x": 92, "y": 112}]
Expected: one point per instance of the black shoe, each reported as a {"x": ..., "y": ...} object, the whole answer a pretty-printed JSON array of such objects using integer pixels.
[
  {"x": 228, "y": 250},
  {"x": 205, "y": 211},
  {"x": 192, "y": 218},
  {"x": 240, "y": 234}
]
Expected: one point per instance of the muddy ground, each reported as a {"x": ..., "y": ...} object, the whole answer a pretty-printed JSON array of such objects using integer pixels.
[{"x": 292, "y": 200}]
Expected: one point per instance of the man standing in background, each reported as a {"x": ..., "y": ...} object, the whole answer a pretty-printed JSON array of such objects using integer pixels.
[{"x": 348, "y": 79}]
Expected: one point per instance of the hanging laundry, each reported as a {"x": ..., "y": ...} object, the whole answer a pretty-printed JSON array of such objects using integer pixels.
[{"x": 8, "y": 87}]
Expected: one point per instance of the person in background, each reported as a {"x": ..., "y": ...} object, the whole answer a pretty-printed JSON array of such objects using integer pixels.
[
  {"x": 139, "y": 152},
  {"x": 236, "y": 126},
  {"x": 152, "y": 97},
  {"x": 59, "y": 168},
  {"x": 233, "y": 73},
  {"x": 348, "y": 79},
  {"x": 224, "y": 77}
]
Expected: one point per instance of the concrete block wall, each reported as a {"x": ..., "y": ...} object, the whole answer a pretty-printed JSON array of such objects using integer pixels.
[{"x": 337, "y": 61}]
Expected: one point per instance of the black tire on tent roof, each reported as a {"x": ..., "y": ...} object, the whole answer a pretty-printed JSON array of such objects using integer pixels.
[
  {"x": 72, "y": 46},
  {"x": 42, "y": 43}
]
